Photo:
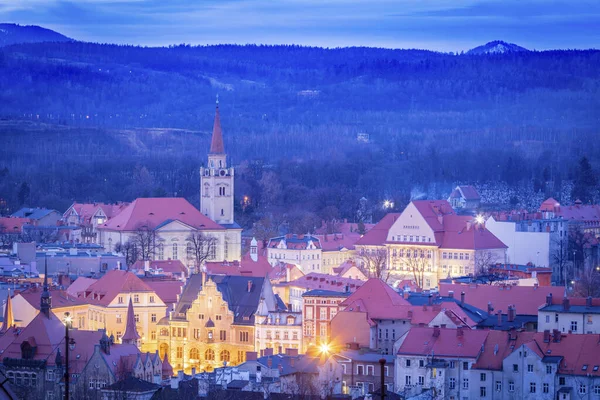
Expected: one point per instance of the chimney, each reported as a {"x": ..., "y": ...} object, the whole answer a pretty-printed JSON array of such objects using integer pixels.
[
  {"x": 459, "y": 331},
  {"x": 268, "y": 352},
  {"x": 499, "y": 314},
  {"x": 249, "y": 286},
  {"x": 410, "y": 314},
  {"x": 430, "y": 299},
  {"x": 405, "y": 295},
  {"x": 490, "y": 309},
  {"x": 251, "y": 356},
  {"x": 588, "y": 302},
  {"x": 462, "y": 298},
  {"x": 451, "y": 294},
  {"x": 353, "y": 346},
  {"x": 292, "y": 362},
  {"x": 549, "y": 299},
  {"x": 436, "y": 331},
  {"x": 291, "y": 352},
  {"x": 147, "y": 265},
  {"x": 512, "y": 312},
  {"x": 556, "y": 336},
  {"x": 547, "y": 336},
  {"x": 566, "y": 304}
]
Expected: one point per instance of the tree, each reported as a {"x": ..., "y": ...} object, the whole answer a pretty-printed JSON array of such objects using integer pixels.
[
  {"x": 361, "y": 228},
  {"x": 588, "y": 283},
  {"x": 129, "y": 251},
  {"x": 266, "y": 228},
  {"x": 202, "y": 248},
  {"x": 580, "y": 245},
  {"x": 559, "y": 258},
  {"x": 585, "y": 182},
  {"x": 23, "y": 194},
  {"x": 374, "y": 263},
  {"x": 484, "y": 268},
  {"x": 416, "y": 261},
  {"x": 144, "y": 240}
]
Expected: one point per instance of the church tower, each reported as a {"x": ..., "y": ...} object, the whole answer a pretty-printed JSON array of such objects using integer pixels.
[{"x": 216, "y": 180}]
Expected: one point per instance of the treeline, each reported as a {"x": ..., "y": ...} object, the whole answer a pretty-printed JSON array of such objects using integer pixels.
[{"x": 83, "y": 122}]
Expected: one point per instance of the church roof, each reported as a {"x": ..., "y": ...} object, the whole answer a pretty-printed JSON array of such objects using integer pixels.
[
  {"x": 131, "y": 334},
  {"x": 216, "y": 144}
]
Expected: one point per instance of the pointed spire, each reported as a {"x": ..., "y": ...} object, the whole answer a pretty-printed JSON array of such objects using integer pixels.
[
  {"x": 216, "y": 144},
  {"x": 46, "y": 300},
  {"x": 131, "y": 335},
  {"x": 9, "y": 317},
  {"x": 167, "y": 369}
]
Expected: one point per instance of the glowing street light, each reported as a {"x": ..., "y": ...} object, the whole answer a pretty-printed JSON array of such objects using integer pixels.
[
  {"x": 325, "y": 348},
  {"x": 388, "y": 204},
  {"x": 479, "y": 219}
]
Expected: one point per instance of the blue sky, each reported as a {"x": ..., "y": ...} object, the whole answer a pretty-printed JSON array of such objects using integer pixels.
[{"x": 445, "y": 25}]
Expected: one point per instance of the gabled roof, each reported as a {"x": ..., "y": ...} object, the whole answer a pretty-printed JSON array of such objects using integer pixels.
[
  {"x": 86, "y": 211},
  {"x": 434, "y": 212},
  {"x": 80, "y": 285},
  {"x": 153, "y": 212},
  {"x": 378, "y": 299},
  {"x": 461, "y": 232},
  {"x": 110, "y": 285},
  {"x": 469, "y": 192},
  {"x": 166, "y": 289},
  {"x": 33, "y": 213},
  {"x": 60, "y": 298},
  {"x": 448, "y": 343},
  {"x": 338, "y": 241},
  {"x": 378, "y": 234},
  {"x": 526, "y": 299},
  {"x": 315, "y": 280},
  {"x": 247, "y": 267},
  {"x": 293, "y": 241},
  {"x": 13, "y": 224}
]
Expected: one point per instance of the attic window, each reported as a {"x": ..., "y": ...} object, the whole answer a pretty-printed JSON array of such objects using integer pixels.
[
  {"x": 595, "y": 368},
  {"x": 182, "y": 213},
  {"x": 584, "y": 368},
  {"x": 150, "y": 213}
]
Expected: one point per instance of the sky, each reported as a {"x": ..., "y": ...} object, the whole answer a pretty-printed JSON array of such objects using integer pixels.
[{"x": 442, "y": 25}]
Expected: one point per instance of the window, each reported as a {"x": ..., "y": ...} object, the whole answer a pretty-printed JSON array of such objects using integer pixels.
[
  {"x": 194, "y": 354},
  {"x": 561, "y": 380},
  {"x": 465, "y": 383},
  {"x": 136, "y": 317},
  {"x": 136, "y": 298},
  {"x": 153, "y": 317},
  {"x": 452, "y": 364},
  {"x": 200, "y": 316},
  {"x": 511, "y": 386},
  {"x": 175, "y": 255},
  {"x": 548, "y": 369},
  {"x": 152, "y": 335},
  {"x": 597, "y": 389},
  {"x": 386, "y": 370},
  {"x": 421, "y": 380},
  {"x": 179, "y": 351},
  {"x": 161, "y": 251},
  {"x": 224, "y": 355},
  {"x": 529, "y": 367},
  {"x": 498, "y": 386},
  {"x": 222, "y": 335},
  {"x": 323, "y": 313},
  {"x": 120, "y": 299},
  {"x": 407, "y": 363},
  {"x": 50, "y": 375},
  {"x": 465, "y": 365},
  {"x": 444, "y": 255},
  {"x": 370, "y": 370},
  {"x": 482, "y": 391},
  {"x": 309, "y": 313},
  {"x": 209, "y": 355},
  {"x": 218, "y": 317},
  {"x": 582, "y": 388},
  {"x": 515, "y": 367},
  {"x": 408, "y": 380},
  {"x": 421, "y": 363},
  {"x": 49, "y": 395},
  {"x": 532, "y": 387},
  {"x": 547, "y": 319},
  {"x": 573, "y": 326},
  {"x": 244, "y": 336},
  {"x": 545, "y": 388},
  {"x": 119, "y": 319},
  {"x": 482, "y": 377},
  {"x": 360, "y": 370},
  {"x": 452, "y": 383},
  {"x": 151, "y": 299}
]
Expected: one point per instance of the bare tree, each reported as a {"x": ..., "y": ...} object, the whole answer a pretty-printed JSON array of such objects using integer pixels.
[
  {"x": 39, "y": 235},
  {"x": 588, "y": 283},
  {"x": 417, "y": 262},
  {"x": 128, "y": 250},
  {"x": 144, "y": 240},
  {"x": 266, "y": 228},
  {"x": 485, "y": 268},
  {"x": 559, "y": 258},
  {"x": 374, "y": 263},
  {"x": 202, "y": 248}
]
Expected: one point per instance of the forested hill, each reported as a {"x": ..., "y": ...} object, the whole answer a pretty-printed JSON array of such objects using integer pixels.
[
  {"x": 430, "y": 117},
  {"x": 14, "y": 33}
]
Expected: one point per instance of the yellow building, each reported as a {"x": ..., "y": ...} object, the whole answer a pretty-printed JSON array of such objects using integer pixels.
[{"x": 213, "y": 322}]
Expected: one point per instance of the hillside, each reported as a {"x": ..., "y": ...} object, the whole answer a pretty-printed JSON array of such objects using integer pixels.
[
  {"x": 14, "y": 33},
  {"x": 497, "y": 47}
]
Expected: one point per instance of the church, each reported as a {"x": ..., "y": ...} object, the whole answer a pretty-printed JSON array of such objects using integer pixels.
[{"x": 168, "y": 228}]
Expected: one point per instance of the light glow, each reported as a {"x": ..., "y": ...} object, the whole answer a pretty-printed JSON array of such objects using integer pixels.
[
  {"x": 479, "y": 219},
  {"x": 325, "y": 348}
]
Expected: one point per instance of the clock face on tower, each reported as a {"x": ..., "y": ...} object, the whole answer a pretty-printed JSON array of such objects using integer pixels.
[{"x": 222, "y": 172}]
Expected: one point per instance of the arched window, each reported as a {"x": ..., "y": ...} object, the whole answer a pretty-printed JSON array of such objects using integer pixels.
[
  {"x": 209, "y": 355},
  {"x": 163, "y": 350},
  {"x": 110, "y": 246},
  {"x": 175, "y": 255},
  {"x": 161, "y": 251},
  {"x": 189, "y": 250},
  {"x": 224, "y": 355},
  {"x": 194, "y": 354}
]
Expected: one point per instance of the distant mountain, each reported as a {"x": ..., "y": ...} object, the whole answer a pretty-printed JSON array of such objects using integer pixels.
[
  {"x": 497, "y": 47},
  {"x": 14, "y": 33}
]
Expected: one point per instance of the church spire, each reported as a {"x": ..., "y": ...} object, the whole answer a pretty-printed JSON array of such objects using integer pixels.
[
  {"x": 131, "y": 335},
  {"x": 216, "y": 144},
  {"x": 46, "y": 300},
  {"x": 9, "y": 317}
]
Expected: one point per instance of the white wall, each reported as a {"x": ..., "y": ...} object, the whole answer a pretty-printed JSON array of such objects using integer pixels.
[{"x": 523, "y": 247}]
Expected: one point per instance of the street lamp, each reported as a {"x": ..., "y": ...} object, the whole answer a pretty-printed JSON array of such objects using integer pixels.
[
  {"x": 479, "y": 219},
  {"x": 388, "y": 204},
  {"x": 69, "y": 345}
]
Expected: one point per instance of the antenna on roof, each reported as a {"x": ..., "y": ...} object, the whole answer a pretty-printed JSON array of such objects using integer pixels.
[{"x": 217, "y": 100}]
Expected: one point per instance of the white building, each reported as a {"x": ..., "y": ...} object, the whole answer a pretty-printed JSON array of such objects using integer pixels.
[
  {"x": 303, "y": 251},
  {"x": 523, "y": 246}
]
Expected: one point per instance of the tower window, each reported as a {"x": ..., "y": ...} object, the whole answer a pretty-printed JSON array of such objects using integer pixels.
[
  {"x": 222, "y": 212},
  {"x": 220, "y": 164}
]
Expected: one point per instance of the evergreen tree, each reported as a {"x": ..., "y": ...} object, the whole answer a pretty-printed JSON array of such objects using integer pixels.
[
  {"x": 585, "y": 182},
  {"x": 23, "y": 194}
]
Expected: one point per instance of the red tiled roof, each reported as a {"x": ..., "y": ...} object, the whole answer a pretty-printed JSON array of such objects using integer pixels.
[
  {"x": 246, "y": 267},
  {"x": 422, "y": 341},
  {"x": 111, "y": 284},
  {"x": 378, "y": 299},
  {"x": 345, "y": 228},
  {"x": 13, "y": 224},
  {"x": 469, "y": 192},
  {"x": 156, "y": 211},
  {"x": 527, "y": 299},
  {"x": 166, "y": 290},
  {"x": 79, "y": 285},
  {"x": 168, "y": 266},
  {"x": 378, "y": 234},
  {"x": 337, "y": 241},
  {"x": 87, "y": 210},
  {"x": 434, "y": 212},
  {"x": 216, "y": 144},
  {"x": 461, "y": 232},
  {"x": 550, "y": 204},
  {"x": 60, "y": 298},
  {"x": 425, "y": 314},
  {"x": 315, "y": 280}
]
